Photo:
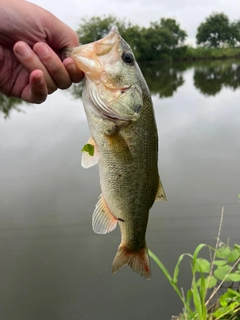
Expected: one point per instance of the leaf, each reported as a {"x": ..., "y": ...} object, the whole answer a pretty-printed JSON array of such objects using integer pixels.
[
  {"x": 223, "y": 252},
  {"x": 189, "y": 296},
  {"x": 235, "y": 277},
  {"x": 219, "y": 262},
  {"x": 222, "y": 271},
  {"x": 226, "y": 311},
  {"x": 202, "y": 265},
  {"x": 237, "y": 246},
  {"x": 89, "y": 148},
  {"x": 211, "y": 282},
  {"x": 227, "y": 297},
  {"x": 233, "y": 293},
  {"x": 233, "y": 256}
]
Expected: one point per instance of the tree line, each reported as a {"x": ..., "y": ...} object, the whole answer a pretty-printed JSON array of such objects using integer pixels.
[
  {"x": 163, "y": 39},
  {"x": 209, "y": 78}
]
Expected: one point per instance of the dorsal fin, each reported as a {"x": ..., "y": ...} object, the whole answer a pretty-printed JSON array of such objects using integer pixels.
[
  {"x": 103, "y": 221},
  {"x": 160, "y": 195},
  {"x": 87, "y": 159}
]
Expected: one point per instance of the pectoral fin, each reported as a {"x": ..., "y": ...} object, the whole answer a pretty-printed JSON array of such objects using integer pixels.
[
  {"x": 160, "y": 192},
  {"x": 89, "y": 160},
  {"x": 103, "y": 221},
  {"x": 119, "y": 147}
]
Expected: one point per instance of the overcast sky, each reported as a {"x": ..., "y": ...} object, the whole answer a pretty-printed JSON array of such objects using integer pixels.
[{"x": 188, "y": 13}]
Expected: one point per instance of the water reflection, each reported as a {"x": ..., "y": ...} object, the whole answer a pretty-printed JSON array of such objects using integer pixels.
[
  {"x": 211, "y": 78},
  {"x": 53, "y": 266},
  {"x": 164, "y": 80},
  {"x": 8, "y": 104}
]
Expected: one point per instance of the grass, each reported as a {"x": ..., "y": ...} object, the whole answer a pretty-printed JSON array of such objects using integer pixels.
[
  {"x": 205, "y": 53},
  {"x": 202, "y": 301}
]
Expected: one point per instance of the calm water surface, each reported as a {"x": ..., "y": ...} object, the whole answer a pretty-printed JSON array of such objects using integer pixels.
[{"x": 52, "y": 265}]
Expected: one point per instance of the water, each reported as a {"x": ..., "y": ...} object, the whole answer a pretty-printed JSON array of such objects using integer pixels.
[{"x": 52, "y": 264}]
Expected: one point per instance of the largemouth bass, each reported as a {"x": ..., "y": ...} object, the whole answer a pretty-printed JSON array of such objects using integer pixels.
[{"x": 121, "y": 120}]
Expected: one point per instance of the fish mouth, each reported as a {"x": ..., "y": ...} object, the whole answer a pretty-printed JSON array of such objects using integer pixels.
[{"x": 88, "y": 56}]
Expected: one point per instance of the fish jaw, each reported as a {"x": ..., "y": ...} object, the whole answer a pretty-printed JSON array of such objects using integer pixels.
[
  {"x": 89, "y": 57},
  {"x": 111, "y": 91}
]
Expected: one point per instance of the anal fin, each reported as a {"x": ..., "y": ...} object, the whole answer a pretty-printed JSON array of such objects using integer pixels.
[{"x": 103, "y": 221}]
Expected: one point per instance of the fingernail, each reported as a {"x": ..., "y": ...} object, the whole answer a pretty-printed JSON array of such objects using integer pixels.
[
  {"x": 23, "y": 50},
  {"x": 42, "y": 51}
]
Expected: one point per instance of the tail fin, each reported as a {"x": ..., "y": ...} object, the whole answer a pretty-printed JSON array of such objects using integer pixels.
[{"x": 137, "y": 260}]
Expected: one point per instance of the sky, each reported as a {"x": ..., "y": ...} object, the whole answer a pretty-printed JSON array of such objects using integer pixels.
[{"x": 188, "y": 13}]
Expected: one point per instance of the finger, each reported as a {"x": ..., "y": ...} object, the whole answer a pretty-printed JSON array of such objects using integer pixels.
[
  {"x": 31, "y": 62},
  {"x": 74, "y": 72},
  {"x": 53, "y": 64},
  {"x": 36, "y": 91}
]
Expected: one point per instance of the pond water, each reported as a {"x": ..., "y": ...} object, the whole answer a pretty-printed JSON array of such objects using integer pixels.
[{"x": 53, "y": 266}]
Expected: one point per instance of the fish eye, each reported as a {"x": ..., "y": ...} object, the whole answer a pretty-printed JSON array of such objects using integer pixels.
[{"x": 128, "y": 58}]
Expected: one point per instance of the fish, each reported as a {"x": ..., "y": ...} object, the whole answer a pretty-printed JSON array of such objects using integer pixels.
[{"x": 124, "y": 136}]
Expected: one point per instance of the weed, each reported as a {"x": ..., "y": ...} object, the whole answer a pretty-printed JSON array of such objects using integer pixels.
[{"x": 208, "y": 277}]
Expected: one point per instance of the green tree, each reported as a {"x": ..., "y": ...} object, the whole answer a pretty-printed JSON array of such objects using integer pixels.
[
  {"x": 215, "y": 31},
  {"x": 235, "y": 26},
  {"x": 95, "y": 28},
  {"x": 161, "y": 39},
  {"x": 177, "y": 34},
  {"x": 148, "y": 44}
]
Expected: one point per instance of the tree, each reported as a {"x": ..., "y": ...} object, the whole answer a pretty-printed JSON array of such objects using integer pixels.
[
  {"x": 215, "y": 31},
  {"x": 148, "y": 44},
  {"x": 236, "y": 32},
  {"x": 177, "y": 35},
  {"x": 95, "y": 28},
  {"x": 161, "y": 39}
]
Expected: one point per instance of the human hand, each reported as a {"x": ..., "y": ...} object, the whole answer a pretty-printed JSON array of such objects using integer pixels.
[{"x": 31, "y": 40}]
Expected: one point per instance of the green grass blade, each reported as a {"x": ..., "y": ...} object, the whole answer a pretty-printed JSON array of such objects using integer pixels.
[
  {"x": 197, "y": 301},
  {"x": 161, "y": 266},
  {"x": 170, "y": 279},
  {"x": 176, "y": 269}
]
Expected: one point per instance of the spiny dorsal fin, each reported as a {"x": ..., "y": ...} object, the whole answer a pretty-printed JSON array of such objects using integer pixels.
[
  {"x": 160, "y": 192},
  {"x": 88, "y": 160},
  {"x": 103, "y": 221}
]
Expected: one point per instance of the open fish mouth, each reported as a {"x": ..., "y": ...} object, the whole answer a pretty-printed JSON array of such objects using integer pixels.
[{"x": 88, "y": 56}]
